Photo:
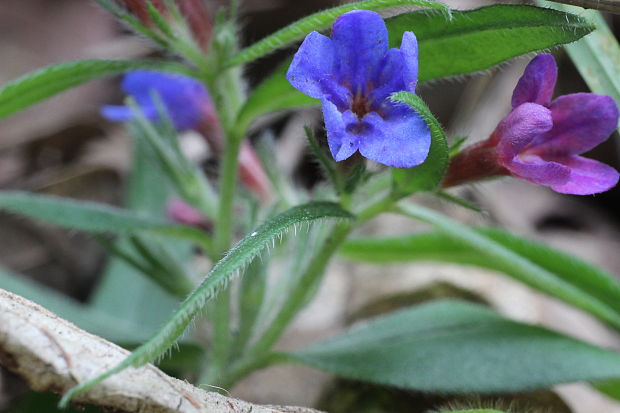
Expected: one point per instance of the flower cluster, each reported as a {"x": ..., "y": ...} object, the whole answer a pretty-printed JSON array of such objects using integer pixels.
[
  {"x": 540, "y": 140},
  {"x": 353, "y": 74}
]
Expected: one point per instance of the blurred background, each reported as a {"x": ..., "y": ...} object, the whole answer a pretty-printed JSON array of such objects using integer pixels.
[{"x": 64, "y": 147}]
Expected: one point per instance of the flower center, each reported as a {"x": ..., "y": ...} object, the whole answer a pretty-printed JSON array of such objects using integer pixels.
[{"x": 360, "y": 105}]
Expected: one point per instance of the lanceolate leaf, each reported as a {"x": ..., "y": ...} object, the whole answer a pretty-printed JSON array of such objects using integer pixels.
[
  {"x": 457, "y": 347},
  {"x": 478, "y": 39},
  {"x": 319, "y": 21},
  {"x": 122, "y": 291},
  {"x": 218, "y": 277},
  {"x": 49, "y": 81},
  {"x": 514, "y": 264},
  {"x": 92, "y": 217},
  {"x": 119, "y": 330},
  {"x": 448, "y": 47},
  {"x": 438, "y": 246},
  {"x": 428, "y": 175}
]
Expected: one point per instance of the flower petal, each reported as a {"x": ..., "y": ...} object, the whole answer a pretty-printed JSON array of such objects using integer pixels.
[
  {"x": 125, "y": 113},
  {"x": 401, "y": 139},
  {"x": 521, "y": 127},
  {"x": 360, "y": 42},
  {"x": 313, "y": 70},
  {"x": 116, "y": 113},
  {"x": 409, "y": 51},
  {"x": 342, "y": 143},
  {"x": 389, "y": 78},
  {"x": 538, "y": 171},
  {"x": 581, "y": 121},
  {"x": 537, "y": 83},
  {"x": 587, "y": 177},
  {"x": 397, "y": 71},
  {"x": 184, "y": 98}
]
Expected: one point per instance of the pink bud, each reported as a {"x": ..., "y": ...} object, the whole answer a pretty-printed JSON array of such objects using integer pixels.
[{"x": 183, "y": 213}]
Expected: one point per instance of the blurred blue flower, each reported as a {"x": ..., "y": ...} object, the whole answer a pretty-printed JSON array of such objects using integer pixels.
[
  {"x": 353, "y": 74},
  {"x": 186, "y": 100}
]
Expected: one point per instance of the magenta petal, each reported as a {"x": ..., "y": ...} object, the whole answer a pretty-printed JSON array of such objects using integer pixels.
[
  {"x": 401, "y": 139},
  {"x": 537, "y": 83},
  {"x": 581, "y": 121},
  {"x": 342, "y": 143},
  {"x": 520, "y": 128},
  {"x": 536, "y": 170},
  {"x": 587, "y": 177},
  {"x": 360, "y": 41}
]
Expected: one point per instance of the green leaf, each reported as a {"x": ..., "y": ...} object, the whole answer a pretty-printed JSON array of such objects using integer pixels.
[
  {"x": 457, "y": 347},
  {"x": 92, "y": 217},
  {"x": 428, "y": 175},
  {"x": 221, "y": 273},
  {"x": 49, "y": 81},
  {"x": 520, "y": 267},
  {"x": 122, "y": 291},
  {"x": 273, "y": 94},
  {"x": 119, "y": 330},
  {"x": 478, "y": 39},
  {"x": 439, "y": 246},
  {"x": 319, "y": 21}
]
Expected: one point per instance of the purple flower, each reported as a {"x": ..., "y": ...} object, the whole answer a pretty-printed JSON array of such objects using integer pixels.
[
  {"x": 353, "y": 74},
  {"x": 540, "y": 140},
  {"x": 185, "y": 99}
]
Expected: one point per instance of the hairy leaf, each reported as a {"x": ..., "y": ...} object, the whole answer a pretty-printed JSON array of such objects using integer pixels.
[
  {"x": 319, "y": 21},
  {"x": 428, "y": 175},
  {"x": 478, "y": 39},
  {"x": 92, "y": 217},
  {"x": 457, "y": 347},
  {"x": 520, "y": 267},
  {"x": 218, "y": 277},
  {"x": 438, "y": 246},
  {"x": 49, "y": 81}
]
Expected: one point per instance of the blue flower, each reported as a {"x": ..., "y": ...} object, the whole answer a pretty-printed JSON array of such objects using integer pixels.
[
  {"x": 353, "y": 74},
  {"x": 186, "y": 100}
]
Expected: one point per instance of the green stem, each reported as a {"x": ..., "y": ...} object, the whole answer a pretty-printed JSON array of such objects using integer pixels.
[
  {"x": 223, "y": 239},
  {"x": 305, "y": 288},
  {"x": 303, "y": 291}
]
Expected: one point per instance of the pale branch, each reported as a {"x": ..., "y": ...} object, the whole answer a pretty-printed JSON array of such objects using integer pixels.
[
  {"x": 53, "y": 355},
  {"x": 610, "y": 6}
]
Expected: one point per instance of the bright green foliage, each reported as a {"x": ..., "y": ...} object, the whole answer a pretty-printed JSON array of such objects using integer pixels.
[
  {"x": 427, "y": 176},
  {"x": 470, "y": 41},
  {"x": 90, "y": 216},
  {"x": 520, "y": 267},
  {"x": 49, "y": 81},
  {"x": 457, "y": 347},
  {"x": 221, "y": 273},
  {"x": 319, "y": 21}
]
